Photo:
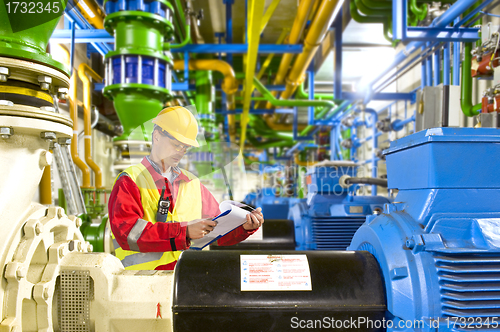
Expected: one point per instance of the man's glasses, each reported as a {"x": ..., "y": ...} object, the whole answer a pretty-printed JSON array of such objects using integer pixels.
[{"x": 178, "y": 146}]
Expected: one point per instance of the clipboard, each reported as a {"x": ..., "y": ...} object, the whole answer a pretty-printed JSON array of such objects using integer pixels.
[{"x": 234, "y": 216}]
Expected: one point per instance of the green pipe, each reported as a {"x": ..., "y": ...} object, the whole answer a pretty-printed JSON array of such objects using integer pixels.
[
  {"x": 273, "y": 134},
  {"x": 383, "y": 13},
  {"x": 473, "y": 18},
  {"x": 249, "y": 161},
  {"x": 266, "y": 145},
  {"x": 377, "y": 4},
  {"x": 259, "y": 126},
  {"x": 328, "y": 105},
  {"x": 95, "y": 233},
  {"x": 370, "y": 19},
  {"x": 466, "y": 91},
  {"x": 302, "y": 94},
  {"x": 205, "y": 102},
  {"x": 420, "y": 12},
  {"x": 180, "y": 12},
  {"x": 291, "y": 103},
  {"x": 25, "y": 35},
  {"x": 187, "y": 39}
]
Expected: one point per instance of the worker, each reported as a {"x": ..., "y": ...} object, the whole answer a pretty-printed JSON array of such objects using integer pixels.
[{"x": 155, "y": 207}]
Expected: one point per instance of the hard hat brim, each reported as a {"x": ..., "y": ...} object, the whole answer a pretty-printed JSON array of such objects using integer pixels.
[{"x": 184, "y": 140}]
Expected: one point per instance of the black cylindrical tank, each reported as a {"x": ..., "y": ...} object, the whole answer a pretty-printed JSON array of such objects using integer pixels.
[
  {"x": 277, "y": 234},
  {"x": 347, "y": 288}
]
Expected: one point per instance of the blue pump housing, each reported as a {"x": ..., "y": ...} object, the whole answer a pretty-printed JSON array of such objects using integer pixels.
[
  {"x": 330, "y": 215},
  {"x": 438, "y": 244}
]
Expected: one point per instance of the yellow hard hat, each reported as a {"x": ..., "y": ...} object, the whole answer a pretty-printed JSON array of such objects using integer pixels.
[{"x": 179, "y": 122}]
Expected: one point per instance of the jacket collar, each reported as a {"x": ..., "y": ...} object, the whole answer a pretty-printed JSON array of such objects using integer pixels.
[{"x": 155, "y": 171}]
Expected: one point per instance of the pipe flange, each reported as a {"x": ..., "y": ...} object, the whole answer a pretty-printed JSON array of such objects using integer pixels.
[
  {"x": 35, "y": 73},
  {"x": 22, "y": 111},
  {"x": 33, "y": 267}
]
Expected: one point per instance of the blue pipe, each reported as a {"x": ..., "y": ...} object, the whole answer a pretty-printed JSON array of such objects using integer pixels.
[
  {"x": 353, "y": 137},
  {"x": 442, "y": 21},
  {"x": 358, "y": 142},
  {"x": 310, "y": 109},
  {"x": 457, "y": 9},
  {"x": 340, "y": 108},
  {"x": 402, "y": 69},
  {"x": 296, "y": 128},
  {"x": 475, "y": 11},
  {"x": 186, "y": 68},
  {"x": 81, "y": 23},
  {"x": 429, "y": 70},
  {"x": 333, "y": 143},
  {"x": 446, "y": 64},
  {"x": 423, "y": 79},
  {"x": 72, "y": 48},
  {"x": 338, "y": 56},
  {"x": 397, "y": 124},
  {"x": 375, "y": 144},
  {"x": 456, "y": 59},
  {"x": 437, "y": 67},
  {"x": 290, "y": 151},
  {"x": 229, "y": 27}
]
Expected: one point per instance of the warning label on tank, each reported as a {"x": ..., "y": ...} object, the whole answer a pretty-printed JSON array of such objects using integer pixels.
[{"x": 275, "y": 273}]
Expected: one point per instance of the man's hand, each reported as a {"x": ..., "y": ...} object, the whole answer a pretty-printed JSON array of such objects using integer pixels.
[
  {"x": 198, "y": 228},
  {"x": 255, "y": 219}
]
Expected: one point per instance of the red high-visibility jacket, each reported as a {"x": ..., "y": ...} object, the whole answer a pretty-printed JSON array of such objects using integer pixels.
[{"x": 125, "y": 209}]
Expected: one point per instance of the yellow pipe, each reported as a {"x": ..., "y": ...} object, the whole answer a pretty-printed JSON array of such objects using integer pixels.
[
  {"x": 254, "y": 13},
  {"x": 73, "y": 106},
  {"x": 83, "y": 71},
  {"x": 229, "y": 85},
  {"x": 45, "y": 187},
  {"x": 269, "y": 12},
  {"x": 299, "y": 23},
  {"x": 267, "y": 62},
  {"x": 304, "y": 163},
  {"x": 92, "y": 12},
  {"x": 314, "y": 37},
  {"x": 281, "y": 127}
]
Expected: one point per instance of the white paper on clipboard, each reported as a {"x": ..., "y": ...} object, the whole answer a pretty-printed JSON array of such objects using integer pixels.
[{"x": 233, "y": 215}]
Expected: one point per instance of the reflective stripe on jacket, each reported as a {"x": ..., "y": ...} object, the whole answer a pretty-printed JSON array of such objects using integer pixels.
[{"x": 188, "y": 206}]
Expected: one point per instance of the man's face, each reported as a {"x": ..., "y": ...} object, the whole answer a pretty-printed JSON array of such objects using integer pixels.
[{"x": 168, "y": 149}]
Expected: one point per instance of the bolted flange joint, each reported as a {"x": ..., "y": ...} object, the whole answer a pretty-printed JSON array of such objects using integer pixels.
[
  {"x": 4, "y": 74},
  {"x": 6, "y": 132},
  {"x": 64, "y": 141},
  {"x": 48, "y": 135},
  {"x": 45, "y": 82},
  {"x": 62, "y": 93}
]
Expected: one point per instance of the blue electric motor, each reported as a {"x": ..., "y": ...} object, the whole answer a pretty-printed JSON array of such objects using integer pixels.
[
  {"x": 273, "y": 207},
  {"x": 330, "y": 215},
  {"x": 438, "y": 244}
]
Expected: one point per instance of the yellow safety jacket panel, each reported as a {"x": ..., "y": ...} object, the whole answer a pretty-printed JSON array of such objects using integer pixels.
[{"x": 188, "y": 206}]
